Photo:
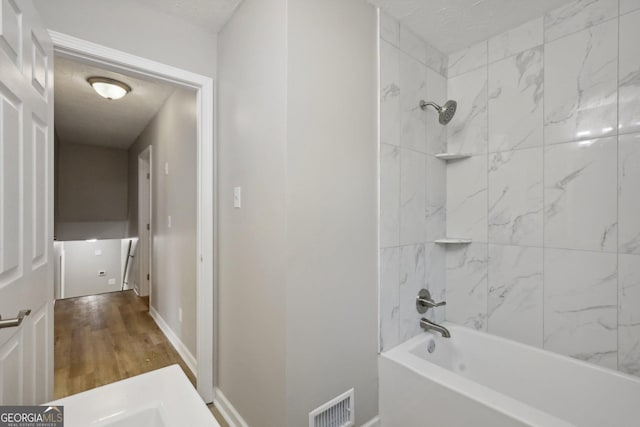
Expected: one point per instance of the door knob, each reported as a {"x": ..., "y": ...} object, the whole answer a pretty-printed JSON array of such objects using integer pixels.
[{"x": 12, "y": 323}]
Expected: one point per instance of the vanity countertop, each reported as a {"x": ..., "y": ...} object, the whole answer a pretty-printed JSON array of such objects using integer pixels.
[{"x": 161, "y": 398}]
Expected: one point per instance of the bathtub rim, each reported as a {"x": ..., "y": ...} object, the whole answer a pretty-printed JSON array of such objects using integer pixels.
[{"x": 511, "y": 407}]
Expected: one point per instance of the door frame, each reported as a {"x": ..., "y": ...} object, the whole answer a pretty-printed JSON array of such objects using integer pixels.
[
  {"x": 145, "y": 156},
  {"x": 119, "y": 61}
]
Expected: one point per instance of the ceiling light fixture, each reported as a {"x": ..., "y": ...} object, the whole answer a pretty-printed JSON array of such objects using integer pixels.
[{"x": 109, "y": 88}]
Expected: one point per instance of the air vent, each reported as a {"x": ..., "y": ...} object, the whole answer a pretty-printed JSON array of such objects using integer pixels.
[{"x": 336, "y": 413}]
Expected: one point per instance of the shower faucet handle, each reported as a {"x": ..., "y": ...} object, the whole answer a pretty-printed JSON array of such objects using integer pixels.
[{"x": 424, "y": 301}]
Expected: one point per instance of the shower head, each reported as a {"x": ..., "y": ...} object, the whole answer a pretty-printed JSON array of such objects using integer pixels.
[{"x": 445, "y": 113}]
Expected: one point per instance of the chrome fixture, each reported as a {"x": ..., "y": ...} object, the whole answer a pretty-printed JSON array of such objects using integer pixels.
[
  {"x": 429, "y": 325},
  {"x": 12, "y": 323},
  {"x": 445, "y": 113},
  {"x": 424, "y": 301}
]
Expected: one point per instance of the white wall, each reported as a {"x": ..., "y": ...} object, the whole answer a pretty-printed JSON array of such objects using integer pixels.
[
  {"x": 134, "y": 28},
  {"x": 332, "y": 305},
  {"x": 82, "y": 262},
  {"x": 91, "y": 188},
  {"x": 173, "y": 135},
  {"x": 298, "y": 280},
  {"x": 550, "y": 196},
  {"x": 252, "y": 257}
]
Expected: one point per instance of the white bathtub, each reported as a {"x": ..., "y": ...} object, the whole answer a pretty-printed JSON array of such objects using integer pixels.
[{"x": 476, "y": 379}]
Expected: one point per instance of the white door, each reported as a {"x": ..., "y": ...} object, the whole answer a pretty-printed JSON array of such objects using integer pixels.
[{"x": 26, "y": 201}]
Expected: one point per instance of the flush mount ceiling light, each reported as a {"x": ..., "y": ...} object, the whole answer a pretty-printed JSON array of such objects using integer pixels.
[{"x": 109, "y": 88}]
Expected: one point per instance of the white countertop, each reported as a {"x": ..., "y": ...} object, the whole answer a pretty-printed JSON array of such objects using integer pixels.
[{"x": 161, "y": 398}]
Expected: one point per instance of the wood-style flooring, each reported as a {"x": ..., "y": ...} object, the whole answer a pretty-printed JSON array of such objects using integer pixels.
[{"x": 100, "y": 339}]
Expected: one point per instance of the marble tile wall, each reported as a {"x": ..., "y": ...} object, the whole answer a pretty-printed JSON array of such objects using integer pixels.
[
  {"x": 551, "y": 196},
  {"x": 412, "y": 180}
]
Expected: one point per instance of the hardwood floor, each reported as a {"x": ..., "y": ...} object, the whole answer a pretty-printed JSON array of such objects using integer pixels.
[{"x": 100, "y": 339}]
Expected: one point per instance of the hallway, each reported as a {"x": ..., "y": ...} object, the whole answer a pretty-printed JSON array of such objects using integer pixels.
[{"x": 100, "y": 339}]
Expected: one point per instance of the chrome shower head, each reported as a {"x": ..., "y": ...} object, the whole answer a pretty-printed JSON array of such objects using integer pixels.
[{"x": 445, "y": 113}]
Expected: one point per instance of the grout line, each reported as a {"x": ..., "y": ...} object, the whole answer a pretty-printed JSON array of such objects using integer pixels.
[
  {"x": 544, "y": 222},
  {"x": 558, "y": 248},
  {"x": 618, "y": 197},
  {"x": 402, "y": 87},
  {"x": 487, "y": 191}
]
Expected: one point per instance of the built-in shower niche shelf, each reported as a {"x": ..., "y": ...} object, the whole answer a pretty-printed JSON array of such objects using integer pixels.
[
  {"x": 453, "y": 156},
  {"x": 453, "y": 241}
]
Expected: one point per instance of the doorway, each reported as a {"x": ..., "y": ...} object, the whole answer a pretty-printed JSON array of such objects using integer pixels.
[
  {"x": 111, "y": 59},
  {"x": 145, "y": 239}
]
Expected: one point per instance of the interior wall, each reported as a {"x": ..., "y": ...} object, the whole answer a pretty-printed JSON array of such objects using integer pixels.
[
  {"x": 82, "y": 263},
  {"x": 91, "y": 188},
  {"x": 131, "y": 27},
  {"x": 549, "y": 111},
  {"x": 555, "y": 221},
  {"x": 412, "y": 180},
  {"x": 173, "y": 134},
  {"x": 303, "y": 162},
  {"x": 331, "y": 207},
  {"x": 252, "y": 240}
]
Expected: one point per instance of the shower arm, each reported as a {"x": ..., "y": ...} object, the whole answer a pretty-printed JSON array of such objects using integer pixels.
[{"x": 424, "y": 105}]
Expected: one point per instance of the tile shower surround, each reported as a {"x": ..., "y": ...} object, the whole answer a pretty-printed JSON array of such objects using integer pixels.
[{"x": 550, "y": 111}]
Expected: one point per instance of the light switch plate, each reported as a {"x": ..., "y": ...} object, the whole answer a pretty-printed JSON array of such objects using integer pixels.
[
  {"x": 169, "y": 221},
  {"x": 166, "y": 168},
  {"x": 98, "y": 252}
]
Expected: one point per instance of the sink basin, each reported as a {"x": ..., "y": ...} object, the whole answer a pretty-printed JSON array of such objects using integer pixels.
[
  {"x": 161, "y": 398},
  {"x": 147, "y": 417}
]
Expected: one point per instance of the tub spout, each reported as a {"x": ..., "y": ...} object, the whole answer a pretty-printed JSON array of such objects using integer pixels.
[{"x": 429, "y": 325}]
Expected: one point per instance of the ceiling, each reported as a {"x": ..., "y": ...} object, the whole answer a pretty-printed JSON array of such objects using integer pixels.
[
  {"x": 451, "y": 25},
  {"x": 210, "y": 15},
  {"x": 84, "y": 117}
]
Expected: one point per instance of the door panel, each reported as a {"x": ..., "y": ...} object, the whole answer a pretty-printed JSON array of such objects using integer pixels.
[
  {"x": 26, "y": 204},
  {"x": 12, "y": 371},
  {"x": 10, "y": 112},
  {"x": 39, "y": 189},
  {"x": 41, "y": 340},
  {"x": 11, "y": 30}
]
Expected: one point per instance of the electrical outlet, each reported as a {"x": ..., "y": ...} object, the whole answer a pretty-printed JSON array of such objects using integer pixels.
[
  {"x": 98, "y": 252},
  {"x": 112, "y": 281},
  {"x": 180, "y": 314}
]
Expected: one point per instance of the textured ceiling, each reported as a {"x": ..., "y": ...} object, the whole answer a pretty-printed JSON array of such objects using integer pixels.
[
  {"x": 208, "y": 14},
  {"x": 84, "y": 117},
  {"x": 451, "y": 25}
]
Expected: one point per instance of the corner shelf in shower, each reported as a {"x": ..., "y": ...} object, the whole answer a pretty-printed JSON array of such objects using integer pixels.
[
  {"x": 453, "y": 241},
  {"x": 453, "y": 156}
]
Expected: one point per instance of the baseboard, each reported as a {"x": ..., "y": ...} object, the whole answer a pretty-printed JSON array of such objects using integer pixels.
[
  {"x": 374, "y": 422},
  {"x": 229, "y": 413},
  {"x": 234, "y": 419},
  {"x": 182, "y": 350}
]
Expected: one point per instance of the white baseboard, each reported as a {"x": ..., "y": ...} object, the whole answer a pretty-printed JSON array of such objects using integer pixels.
[
  {"x": 226, "y": 409},
  {"x": 374, "y": 422},
  {"x": 182, "y": 350}
]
